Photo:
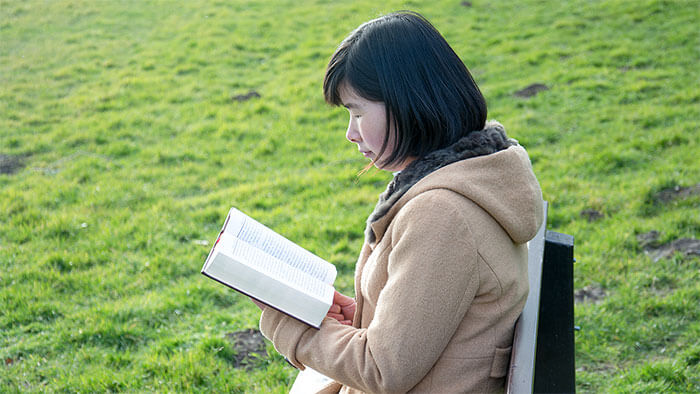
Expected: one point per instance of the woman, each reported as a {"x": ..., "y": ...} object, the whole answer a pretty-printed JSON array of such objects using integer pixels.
[{"x": 442, "y": 275}]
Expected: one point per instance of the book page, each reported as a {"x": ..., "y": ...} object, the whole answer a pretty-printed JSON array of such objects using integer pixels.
[
  {"x": 309, "y": 381},
  {"x": 256, "y": 274},
  {"x": 273, "y": 267},
  {"x": 258, "y": 235}
]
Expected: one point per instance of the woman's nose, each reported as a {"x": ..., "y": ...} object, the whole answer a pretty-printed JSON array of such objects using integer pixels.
[{"x": 351, "y": 134}]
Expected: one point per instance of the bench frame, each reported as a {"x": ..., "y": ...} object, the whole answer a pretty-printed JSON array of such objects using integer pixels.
[{"x": 543, "y": 359}]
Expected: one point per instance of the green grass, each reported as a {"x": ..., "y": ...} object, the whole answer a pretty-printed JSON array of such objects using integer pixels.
[{"x": 134, "y": 150}]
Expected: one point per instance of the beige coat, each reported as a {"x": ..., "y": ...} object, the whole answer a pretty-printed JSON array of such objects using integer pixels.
[{"x": 440, "y": 289}]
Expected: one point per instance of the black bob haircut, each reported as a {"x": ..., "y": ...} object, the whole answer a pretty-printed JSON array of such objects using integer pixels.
[{"x": 400, "y": 59}]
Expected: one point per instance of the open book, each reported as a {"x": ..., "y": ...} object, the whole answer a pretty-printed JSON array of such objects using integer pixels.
[{"x": 262, "y": 264}]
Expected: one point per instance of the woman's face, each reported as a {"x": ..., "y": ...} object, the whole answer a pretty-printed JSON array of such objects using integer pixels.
[{"x": 368, "y": 127}]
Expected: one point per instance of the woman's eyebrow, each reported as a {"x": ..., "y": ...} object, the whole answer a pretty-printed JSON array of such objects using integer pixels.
[{"x": 350, "y": 105}]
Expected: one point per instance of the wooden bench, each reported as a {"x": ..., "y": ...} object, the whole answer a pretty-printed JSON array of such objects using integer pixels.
[{"x": 542, "y": 360}]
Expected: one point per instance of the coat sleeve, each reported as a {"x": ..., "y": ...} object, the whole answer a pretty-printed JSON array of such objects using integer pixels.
[{"x": 432, "y": 278}]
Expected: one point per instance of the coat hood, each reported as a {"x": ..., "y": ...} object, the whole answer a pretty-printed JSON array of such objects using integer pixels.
[{"x": 485, "y": 167}]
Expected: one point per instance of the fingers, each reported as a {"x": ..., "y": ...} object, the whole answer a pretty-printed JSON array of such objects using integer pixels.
[
  {"x": 336, "y": 316},
  {"x": 335, "y": 308},
  {"x": 342, "y": 300},
  {"x": 343, "y": 308},
  {"x": 259, "y": 304},
  {"x": 349, "y": 312},
  {"x": 340, "y": 318}
]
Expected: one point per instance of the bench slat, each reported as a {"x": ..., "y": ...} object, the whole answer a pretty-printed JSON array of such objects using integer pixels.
[{"x": 522, "y": 361}]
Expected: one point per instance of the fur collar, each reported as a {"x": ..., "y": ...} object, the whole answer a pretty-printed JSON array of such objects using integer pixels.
[{"x": 477, "y": 143}]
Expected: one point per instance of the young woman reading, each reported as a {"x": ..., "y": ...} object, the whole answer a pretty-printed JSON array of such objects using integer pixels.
[{"x": 442, "y": 275}]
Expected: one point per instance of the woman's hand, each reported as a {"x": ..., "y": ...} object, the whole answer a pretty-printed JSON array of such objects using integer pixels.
[
  {"x": 343, "y": 309},
  {"x": 259, "y": 304}
]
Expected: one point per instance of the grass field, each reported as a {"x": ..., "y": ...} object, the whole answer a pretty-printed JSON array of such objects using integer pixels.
[{"x": 128, "y": 129}]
